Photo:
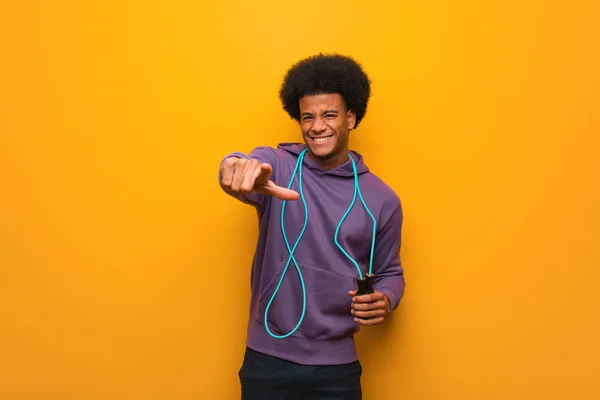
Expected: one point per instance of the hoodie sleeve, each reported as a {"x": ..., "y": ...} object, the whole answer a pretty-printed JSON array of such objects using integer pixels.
[
  {"x": 264, "y": 154},
  {"x": 389, "y": 273}
]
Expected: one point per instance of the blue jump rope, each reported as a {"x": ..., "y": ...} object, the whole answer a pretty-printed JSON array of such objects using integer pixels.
[{"x": 365, "y": 284}]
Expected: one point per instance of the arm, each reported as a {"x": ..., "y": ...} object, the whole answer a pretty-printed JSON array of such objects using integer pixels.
[
  {"x": 389, "y": 273},
  {"x": 372, "y": 309}
]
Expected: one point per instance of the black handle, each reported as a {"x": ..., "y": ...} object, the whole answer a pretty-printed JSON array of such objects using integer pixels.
[{"x": 365, "y": 284}]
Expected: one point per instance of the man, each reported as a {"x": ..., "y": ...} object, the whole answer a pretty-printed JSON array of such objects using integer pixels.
[{"x": 327, "y": 224}]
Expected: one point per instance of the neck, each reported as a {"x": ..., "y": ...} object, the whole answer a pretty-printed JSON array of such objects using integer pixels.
[{"x": 331, "y": 162}]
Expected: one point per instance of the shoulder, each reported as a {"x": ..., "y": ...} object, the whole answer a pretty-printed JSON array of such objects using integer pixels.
[
  {"x": 387, "y": 199},
  {"x": 381, "y": 190}
]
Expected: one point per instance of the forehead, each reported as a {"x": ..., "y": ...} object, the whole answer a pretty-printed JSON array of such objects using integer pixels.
[{"x": 319, "y": 102}]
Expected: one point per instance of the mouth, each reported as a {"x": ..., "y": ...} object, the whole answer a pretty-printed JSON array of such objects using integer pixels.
[{"x": 321, "y": 139}]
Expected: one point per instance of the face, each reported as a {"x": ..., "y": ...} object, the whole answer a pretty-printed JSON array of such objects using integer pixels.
[{"x": 325, "y": 124}]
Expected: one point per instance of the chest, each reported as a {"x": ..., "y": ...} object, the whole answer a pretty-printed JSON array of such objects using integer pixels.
[{"x": 336, "y": 213}]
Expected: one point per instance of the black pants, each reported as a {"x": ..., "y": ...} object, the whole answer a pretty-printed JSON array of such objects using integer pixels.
[{"x": 263, "y": 377}]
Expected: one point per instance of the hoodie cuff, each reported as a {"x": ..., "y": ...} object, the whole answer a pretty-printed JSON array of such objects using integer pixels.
[{"x": 392, "y": 297}]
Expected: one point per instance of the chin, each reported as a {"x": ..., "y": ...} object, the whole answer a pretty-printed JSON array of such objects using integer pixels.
[{"x": 321, "y": 153}]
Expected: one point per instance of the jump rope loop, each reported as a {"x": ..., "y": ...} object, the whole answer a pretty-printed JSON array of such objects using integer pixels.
[{"x": 365, "y": 285}]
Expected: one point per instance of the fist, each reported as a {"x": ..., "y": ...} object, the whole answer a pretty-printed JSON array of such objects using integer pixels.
[
  {"x": 369, "y": 309},
  {"x": 242, "y": 175}
]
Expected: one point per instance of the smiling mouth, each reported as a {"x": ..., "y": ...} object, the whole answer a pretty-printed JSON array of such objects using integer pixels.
[{"x": 321, "y": 139}]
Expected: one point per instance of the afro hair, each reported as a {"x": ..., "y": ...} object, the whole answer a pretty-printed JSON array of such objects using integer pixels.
[{"x": 326, "y": 74}]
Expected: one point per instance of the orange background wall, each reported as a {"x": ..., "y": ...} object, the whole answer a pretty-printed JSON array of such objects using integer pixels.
[{"x": 124, "y": 270}]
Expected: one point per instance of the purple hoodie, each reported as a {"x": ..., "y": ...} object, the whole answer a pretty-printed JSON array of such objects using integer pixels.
[{"x": 325, "y": 336}]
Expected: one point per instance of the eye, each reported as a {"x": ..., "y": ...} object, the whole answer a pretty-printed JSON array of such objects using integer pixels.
[
  {"x": 307, "y": 118},
  {"x": 330, "y": 116}
]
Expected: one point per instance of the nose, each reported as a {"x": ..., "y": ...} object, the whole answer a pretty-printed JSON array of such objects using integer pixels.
[{"x": 318, "y": 125}]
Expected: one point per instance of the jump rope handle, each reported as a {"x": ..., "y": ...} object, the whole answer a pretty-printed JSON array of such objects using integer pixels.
[{"x": 365, "y": 284}]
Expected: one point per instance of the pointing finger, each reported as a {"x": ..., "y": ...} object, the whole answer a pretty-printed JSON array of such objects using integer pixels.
[{"x": 263, "y": 173}]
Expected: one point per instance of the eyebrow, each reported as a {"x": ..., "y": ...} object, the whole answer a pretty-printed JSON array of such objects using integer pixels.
[{"x": 324, "y": 112}]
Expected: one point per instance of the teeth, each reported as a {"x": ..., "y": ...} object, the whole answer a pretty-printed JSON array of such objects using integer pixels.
[{"x": 322, "y": 139}]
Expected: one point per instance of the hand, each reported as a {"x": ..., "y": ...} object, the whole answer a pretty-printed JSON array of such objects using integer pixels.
[
  {"x": 249, "y": 175},
  {"x": 369, "y": 309}
]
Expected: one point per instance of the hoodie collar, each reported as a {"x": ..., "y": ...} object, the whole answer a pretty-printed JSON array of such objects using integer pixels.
[{"x": 342, "y": 170}]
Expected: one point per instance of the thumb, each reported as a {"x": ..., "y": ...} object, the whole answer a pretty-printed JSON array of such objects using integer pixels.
[{"x": 282, "y": 193}]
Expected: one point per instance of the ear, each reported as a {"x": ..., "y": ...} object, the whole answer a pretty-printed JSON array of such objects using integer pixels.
[{"x": 351, "y": 116}]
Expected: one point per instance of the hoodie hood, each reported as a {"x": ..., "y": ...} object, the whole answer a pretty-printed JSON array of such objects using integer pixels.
[{"x": 342, "y": 170}]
